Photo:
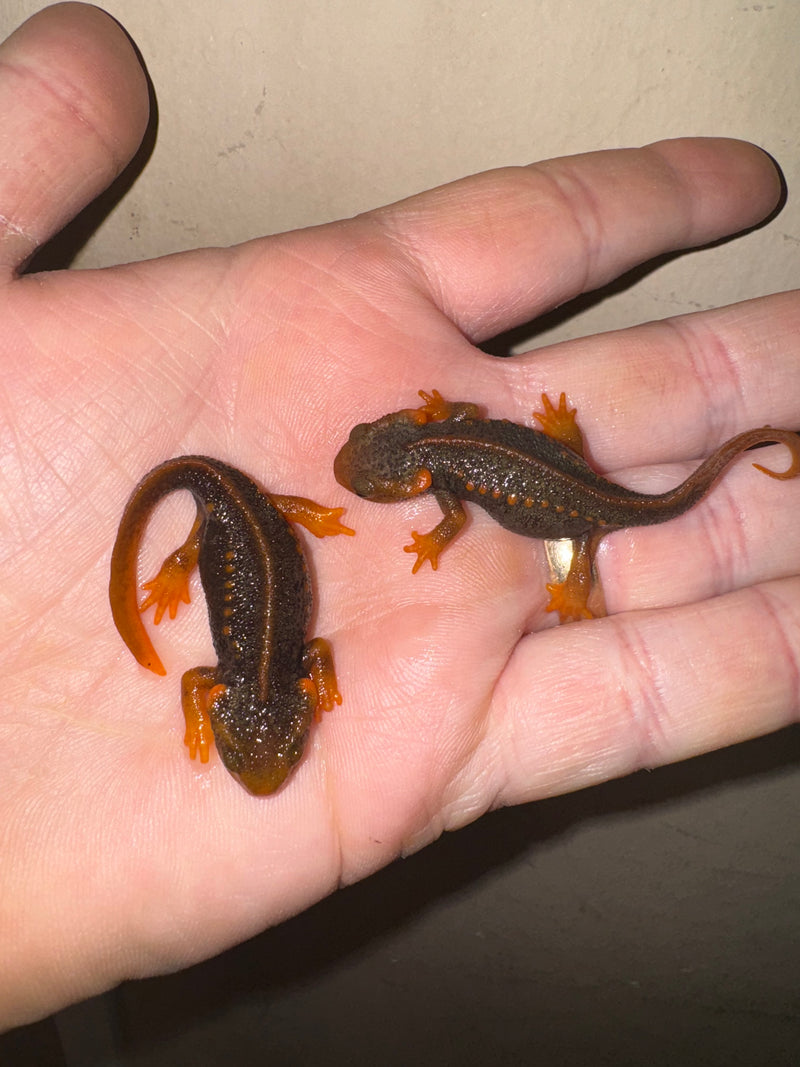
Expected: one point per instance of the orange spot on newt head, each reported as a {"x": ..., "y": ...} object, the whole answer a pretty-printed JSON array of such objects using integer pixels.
[{"x": 261, "y": 743}]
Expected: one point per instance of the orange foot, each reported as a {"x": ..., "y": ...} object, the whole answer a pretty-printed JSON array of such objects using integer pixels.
[
  {"x": 569, "y": 599},
  {"x": 318, "y": 520},
  {"x": 199, "y": 690},
  {"x": 435, "y": 408},
  {"x": 321, "y": 683},
  {"x": 426, "y": 547},
  {"x": 169, "y": 588},
  {"x": 559, "y": 423},
  {"x": 326, "y": 523}
]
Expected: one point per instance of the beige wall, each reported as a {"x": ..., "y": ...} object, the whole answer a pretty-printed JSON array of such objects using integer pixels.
[{"x": 274, "y": 115}]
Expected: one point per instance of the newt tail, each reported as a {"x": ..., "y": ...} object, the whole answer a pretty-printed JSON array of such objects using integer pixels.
[{"x": 533, "y": 482}]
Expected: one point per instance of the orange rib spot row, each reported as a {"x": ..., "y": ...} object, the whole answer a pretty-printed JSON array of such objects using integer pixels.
[{"x": 528, "y": 502}]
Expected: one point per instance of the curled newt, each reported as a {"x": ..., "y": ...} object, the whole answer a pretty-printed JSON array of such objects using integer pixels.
[
  {"x": 258, "y": 703},
  {"x": 533, "y": 482}
]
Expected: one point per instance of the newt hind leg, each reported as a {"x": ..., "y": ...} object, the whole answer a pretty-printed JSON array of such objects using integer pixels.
[
  {"x": 170, "y": 587},
  {"x": 571, "y": 597}
]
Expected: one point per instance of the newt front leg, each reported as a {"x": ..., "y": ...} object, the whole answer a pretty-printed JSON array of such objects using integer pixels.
[
  {"x": 318, "y": 520},
  {"x": 560, "y": 423},
  {"x": 318, "y": 663},
  {"x": 429, "y": 546},
  {"x": 200, "y": 687}
]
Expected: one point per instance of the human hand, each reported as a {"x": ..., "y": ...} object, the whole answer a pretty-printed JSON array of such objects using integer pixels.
[{"x": 120, "y": 858}]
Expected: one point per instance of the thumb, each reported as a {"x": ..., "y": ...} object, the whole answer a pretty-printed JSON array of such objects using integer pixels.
[{"x": 73, "y": 109}]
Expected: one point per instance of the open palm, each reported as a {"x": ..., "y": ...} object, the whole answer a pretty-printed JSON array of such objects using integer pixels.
[{"x": 122, "y": 858}]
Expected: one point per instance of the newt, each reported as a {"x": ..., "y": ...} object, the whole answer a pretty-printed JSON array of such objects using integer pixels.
[
  {"x": 270, "y": 682},
  {"x": 535, "y": 482}
]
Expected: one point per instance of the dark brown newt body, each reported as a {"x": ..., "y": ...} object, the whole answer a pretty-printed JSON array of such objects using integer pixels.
[
  {"x": 269, "y": 681},
  {"x": 532, "y": 482}
]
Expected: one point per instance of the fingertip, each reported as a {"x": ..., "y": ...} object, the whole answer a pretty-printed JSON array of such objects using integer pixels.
[
  {"x": 87, "y": 57},
  {"x": 74, "y": 106},
  {"x": 724, "y": 174}
]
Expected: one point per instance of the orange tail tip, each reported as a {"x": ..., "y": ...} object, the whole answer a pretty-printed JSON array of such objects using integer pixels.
[{"x": 792, "y": 441}]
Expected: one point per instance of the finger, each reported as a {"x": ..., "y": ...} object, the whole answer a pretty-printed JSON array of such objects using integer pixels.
[
  {"x": 740, "y": 535},
  {"x": 676, "y": 389},
  {"x": 498, "y": 248},
  {"x": 641, "y": 690},
  {"x": 73, "y": 109}
]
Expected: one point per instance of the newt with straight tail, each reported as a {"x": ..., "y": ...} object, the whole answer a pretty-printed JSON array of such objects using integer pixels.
[{"x": 533, "y": 482}]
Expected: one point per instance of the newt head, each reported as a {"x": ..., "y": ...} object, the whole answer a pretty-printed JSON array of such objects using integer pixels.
[
  {"x": 376, "y": 462},
  {"x": 260, "y": 744}
]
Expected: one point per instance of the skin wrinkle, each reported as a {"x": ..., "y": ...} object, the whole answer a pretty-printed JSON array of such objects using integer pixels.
[
  {"x": 716, "y": 377},
  {"x": 644, "y": 705},
  {"x": 432, "y": 819},
  {"x": 400, "y": 232},
  {"x": 468, "y": 742},
  {"x": 70, "y": 319},
  {"x": 464, "y": 796},
  {"x": 719, "y": 527},
  {"x": 491, "y": 715},
  {"x": 500, "y": 719},
  {"x": 589, "y": 246},
  {"x": 116, "y": 160},
  {"x": 95, "y": 433},
  {"x": 711, "y": 534},
  {"x": 336, "y": 299},
  {"x": 585, "y": 198},
  {"x": 168, "y": 367},
  {"x": 16, "y": 230},
  {"x": 540, "y": 171},
  {"x": 426, "y": 828},
  {"x": 163, "y": 301},
  {"x": 277, "y": 319},
  {"x": 369, "y": 328},
  {"x": 309, "y": 268},
  {"x": 70, "y": 103},
  {"x": 446, "y": 814},
  {"x": 11, "y": 428},
  {"x": 543, "y": 171},
  {"x": 346, "y": 314},
  {"x": 679, "y": 189},
  {"x": 478, "y": 328},
  {"x": 332, "y": 809},
  {"x": 36, "y": 459},
  {"x": 723, "y": 534},
  {"x": 513, "y": 741},
  {"x": 650, "y": 727}
]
